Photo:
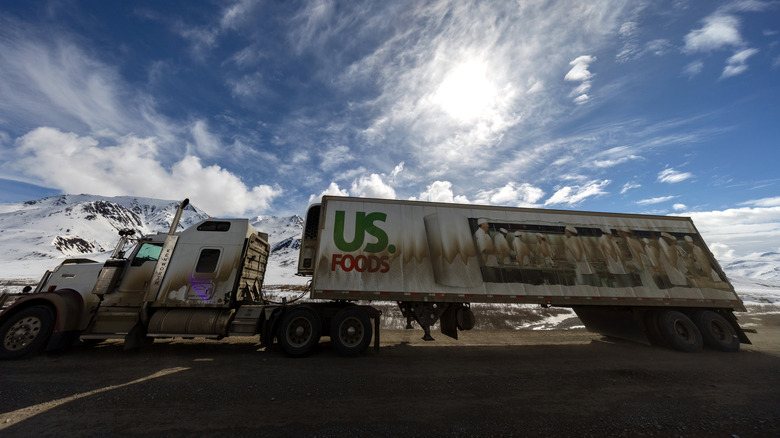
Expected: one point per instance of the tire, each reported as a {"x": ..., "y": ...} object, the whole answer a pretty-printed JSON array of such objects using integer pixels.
[
  {"x": 716, "y": 331},
  {"x": 299, "y": 332},
  {"x": 679, "y": 331},
  {"x": 351, "y": 331},
  {"x": 25, "y": 332}
]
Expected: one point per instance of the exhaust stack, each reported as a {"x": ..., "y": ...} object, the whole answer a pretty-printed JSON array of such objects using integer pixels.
[{"x": 177, "y": 217}]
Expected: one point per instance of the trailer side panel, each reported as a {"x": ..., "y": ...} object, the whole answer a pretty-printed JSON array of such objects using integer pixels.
[{"x": 414, "y": 251}]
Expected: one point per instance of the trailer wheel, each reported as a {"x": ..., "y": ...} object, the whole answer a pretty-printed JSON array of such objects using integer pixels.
[
  {"x": 716, "y": 331},
  {"x": 299, "y": 332},
  {"x": 25, "y": 332},
  {"x": 351, "y": 331},
  {"x": 679, "y": 331}
]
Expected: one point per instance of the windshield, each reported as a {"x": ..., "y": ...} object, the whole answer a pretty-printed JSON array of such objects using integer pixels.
[{"x": 147, "y": 252}]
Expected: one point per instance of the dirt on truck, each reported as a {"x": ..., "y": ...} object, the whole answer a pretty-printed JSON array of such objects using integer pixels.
[{"x": 646, "y": 278}]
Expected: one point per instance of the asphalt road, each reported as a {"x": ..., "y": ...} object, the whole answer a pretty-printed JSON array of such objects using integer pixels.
[{"x": 489, "y": 383}]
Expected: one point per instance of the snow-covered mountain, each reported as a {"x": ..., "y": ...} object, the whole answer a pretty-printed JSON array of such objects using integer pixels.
[
  {"x": 284, "y": 235},
  {"x": 37, "y": 235},
  {"x": 756, "y": 277}
]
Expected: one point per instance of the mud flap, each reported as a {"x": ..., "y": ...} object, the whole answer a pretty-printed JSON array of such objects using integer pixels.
[
  {"x": 449, "y": 322},
  {"x": 136, "y": 337}
]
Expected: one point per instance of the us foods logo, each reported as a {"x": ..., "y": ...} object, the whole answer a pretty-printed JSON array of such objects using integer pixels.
[{"x": 368, "y": 261}]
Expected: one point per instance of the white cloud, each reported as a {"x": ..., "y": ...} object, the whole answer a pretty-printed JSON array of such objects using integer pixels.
[
  {"x": 441, "y": 191},
  {"x": 396, "y": 171},
  {"x": 130, "y": 166},
  {"x": 332, "y": 190},
  {"x": 580, "y": 73},
  {"x": 764, "y": 202},
  {"x": 669, "y": 175},
  {"x": 206, "y": 143},
  {"x": 463, "y": 85},
  {"x": 719, "y": 30},
  {"x": 657, "y": 200},
  {"x": 679, "y": 207},
  {"x": 737, "y": 64},
  {"x": 616, "y": 156},
  {"x": 628, "y": 186},
  {"x": 572, "y": 195},
  {"x": 371, "y": 187},
  {"x": 693, "y": 69},
  {"x": 334, "y": 157},
  {"x": 581, "y": 99},
  {"x": 519, "y": 195},
  {"x": 58, "y": 84},
  {"x": 740, "y": 231},
  {"x": 579, "y": 70}
]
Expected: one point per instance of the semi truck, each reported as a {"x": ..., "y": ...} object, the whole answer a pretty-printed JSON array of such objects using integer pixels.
[{"x": 647, "y": 278}]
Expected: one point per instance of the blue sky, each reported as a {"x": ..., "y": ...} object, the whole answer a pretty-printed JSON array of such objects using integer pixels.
[{"x": 260, "y": 107}]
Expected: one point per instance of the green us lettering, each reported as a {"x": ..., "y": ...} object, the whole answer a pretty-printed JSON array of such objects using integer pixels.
[{"x": 364, "y": 224}]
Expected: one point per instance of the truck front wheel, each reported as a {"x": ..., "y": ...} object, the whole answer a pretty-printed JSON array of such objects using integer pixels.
[
  {"x": 299, "y": 332},
  {"x": 25, "y": 332},
  {"x": 350, "y": 331}
]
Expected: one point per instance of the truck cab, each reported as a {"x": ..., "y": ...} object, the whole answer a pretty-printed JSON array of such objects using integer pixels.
[{"x": 187, "y": 283}]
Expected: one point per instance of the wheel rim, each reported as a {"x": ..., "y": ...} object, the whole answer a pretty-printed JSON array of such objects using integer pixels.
[
  {"x": 719, "y": 331},
  {"x": 299, "y": 332},
  {"x": 684, "y": 332},
  {"x": 21, "y": 334},
  {"x": 351, "y": 332}
]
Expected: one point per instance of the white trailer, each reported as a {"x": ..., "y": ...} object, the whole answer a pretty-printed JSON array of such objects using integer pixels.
[{"x": 642, "y": 277}]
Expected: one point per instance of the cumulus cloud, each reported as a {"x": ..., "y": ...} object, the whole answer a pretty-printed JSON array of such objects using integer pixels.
[
  {"x": 441, "y": 191},
  {"x": 679, "y": 207},
  {"x": 669, "y": 175},
  {"x": 372, "y": 186},
  {"x": 513, "y": 194},
  {"x": 332, "y": 190},
  {"x": 573, "y": 195},
  {"x": 130, "y": 165}
]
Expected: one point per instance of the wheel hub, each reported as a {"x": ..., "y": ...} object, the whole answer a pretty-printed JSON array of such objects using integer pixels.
[{"x": 22, "y": 333}]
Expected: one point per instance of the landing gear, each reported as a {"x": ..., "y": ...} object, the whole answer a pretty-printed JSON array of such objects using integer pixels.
[
  {"x": 453, "y": 317},
  {"x": 426, "y": 314}
]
